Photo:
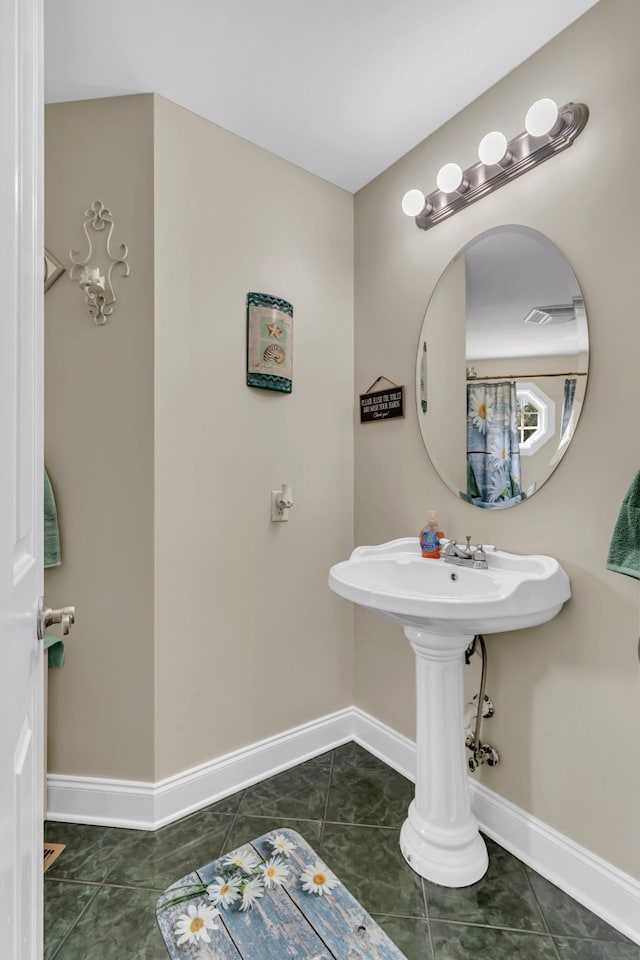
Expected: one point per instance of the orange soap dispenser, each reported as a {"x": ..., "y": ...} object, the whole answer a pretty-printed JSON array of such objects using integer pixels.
[{"x": 430, "y": 538}]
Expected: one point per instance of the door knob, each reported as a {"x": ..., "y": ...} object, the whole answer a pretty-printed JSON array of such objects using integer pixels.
[{"x": 65, "y": 616}]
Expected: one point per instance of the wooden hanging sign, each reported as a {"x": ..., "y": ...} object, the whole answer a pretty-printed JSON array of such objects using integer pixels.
[{"x": 387, "y": 404}]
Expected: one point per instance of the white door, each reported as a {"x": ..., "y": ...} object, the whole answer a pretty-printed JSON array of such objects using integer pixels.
[{"x": 21, "y": 299}]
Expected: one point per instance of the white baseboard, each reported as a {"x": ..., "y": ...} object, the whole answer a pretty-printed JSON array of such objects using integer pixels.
[
  {"x": 596, "y": 884},
  {"x": 383, "y": 742},
  {"x": 148, "y": 806},
  {"x": 599, "y": 886},
  {"x": 108, "y": 803}
]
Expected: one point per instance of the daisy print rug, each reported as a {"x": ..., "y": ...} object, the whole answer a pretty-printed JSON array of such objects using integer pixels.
[{"x": 271, "y": 899}]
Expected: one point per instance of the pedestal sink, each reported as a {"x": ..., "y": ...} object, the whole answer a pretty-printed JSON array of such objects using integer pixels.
[{"x": 441, "y": 607}]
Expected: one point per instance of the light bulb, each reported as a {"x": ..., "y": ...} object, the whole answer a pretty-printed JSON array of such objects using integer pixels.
[
  {"x": 449, "y": 178},
  {"x": 541, "y": 117},
  {"x": 413, "y": 203},
  {"x": 492, "y": 148}
]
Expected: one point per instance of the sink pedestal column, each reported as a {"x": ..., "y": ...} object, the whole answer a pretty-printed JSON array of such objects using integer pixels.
[{"x": 440, "y": 838}]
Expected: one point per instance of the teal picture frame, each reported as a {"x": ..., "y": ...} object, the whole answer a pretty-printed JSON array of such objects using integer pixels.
[{"x": 269, "y": 343}]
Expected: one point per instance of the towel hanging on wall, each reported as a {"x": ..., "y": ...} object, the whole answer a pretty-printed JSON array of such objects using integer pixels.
[
  {"x": 52, "y": 556},
  {"x": 55, "y": 650},
  {"x": 624, "y": 552}
]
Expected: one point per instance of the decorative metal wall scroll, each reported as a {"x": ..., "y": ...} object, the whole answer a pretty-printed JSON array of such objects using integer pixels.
[{"x": 93, "y": 278}]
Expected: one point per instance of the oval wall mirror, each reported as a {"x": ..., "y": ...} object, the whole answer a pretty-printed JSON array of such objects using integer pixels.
[{"x": 502, "y": 366}]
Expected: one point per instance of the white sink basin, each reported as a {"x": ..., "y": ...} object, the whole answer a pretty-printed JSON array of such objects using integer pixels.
[
  {"x": 441, "y": 607},
  {"x": 395, "y": 581}
]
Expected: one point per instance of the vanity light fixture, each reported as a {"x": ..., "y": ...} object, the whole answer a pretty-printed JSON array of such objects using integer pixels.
[
  {"x": 548, "y": 130},
  {"x": 413, "y": 203},
  {"x": 494, "y": 148},
  {"x": 95, "y": 280},
  {"x": 451, "y": 179},
  {"x": 541, "y": 117}
]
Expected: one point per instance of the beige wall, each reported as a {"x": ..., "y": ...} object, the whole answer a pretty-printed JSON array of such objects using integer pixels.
[
  {"x": 444, "y": 425},
  {"x": 163, "y": 459},
  {"x": 99, "y": 443},
  {"x": 566, "y": 693},
  {"x": 248, "y": 635}
]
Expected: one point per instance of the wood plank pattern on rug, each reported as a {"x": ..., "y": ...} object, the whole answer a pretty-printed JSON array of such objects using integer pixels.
[{"x": 287, "y": 923}]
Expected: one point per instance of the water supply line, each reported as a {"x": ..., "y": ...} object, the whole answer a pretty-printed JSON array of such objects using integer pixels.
[{"x": 480, "y": 752}]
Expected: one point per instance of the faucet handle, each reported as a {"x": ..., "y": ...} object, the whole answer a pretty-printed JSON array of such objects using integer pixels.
[{"x": 479, "y": 554}]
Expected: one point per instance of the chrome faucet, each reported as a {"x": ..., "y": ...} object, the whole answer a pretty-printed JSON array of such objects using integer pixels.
[{"x": 464, "y": 556}]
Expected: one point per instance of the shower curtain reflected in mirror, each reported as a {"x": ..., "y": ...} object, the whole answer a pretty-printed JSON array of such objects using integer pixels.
[{"x": 493, "y": 451}]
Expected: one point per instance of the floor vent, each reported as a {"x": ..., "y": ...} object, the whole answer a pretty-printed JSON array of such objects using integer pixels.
[{"x": 51, "y": 852}]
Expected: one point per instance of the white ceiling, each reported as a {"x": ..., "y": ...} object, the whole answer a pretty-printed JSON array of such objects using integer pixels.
[
  {"x": 342, "y": 88},
  {"x": 509, "y": 271}
]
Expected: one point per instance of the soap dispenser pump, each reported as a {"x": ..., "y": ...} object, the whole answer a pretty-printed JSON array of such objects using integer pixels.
[{"x": 430, "y": 538}]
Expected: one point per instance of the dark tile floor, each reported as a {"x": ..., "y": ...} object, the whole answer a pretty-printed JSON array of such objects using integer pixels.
[{"x": 100, "y": 893}]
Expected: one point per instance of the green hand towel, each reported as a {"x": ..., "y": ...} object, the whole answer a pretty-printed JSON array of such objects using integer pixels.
[
  {"x": 55, "y": 650},
  {"x": 624, "y": 552},
  {"x": 51, "y": 532}
]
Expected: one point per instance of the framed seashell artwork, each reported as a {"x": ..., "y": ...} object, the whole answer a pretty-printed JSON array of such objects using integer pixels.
[{"x": 269, "y": 342}]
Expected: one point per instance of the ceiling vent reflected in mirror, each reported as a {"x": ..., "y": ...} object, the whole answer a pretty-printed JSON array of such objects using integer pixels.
[{"x": 558, "y": 313}]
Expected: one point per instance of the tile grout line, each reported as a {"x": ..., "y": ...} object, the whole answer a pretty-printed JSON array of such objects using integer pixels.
[
  {"x": 271, "y": 816},
  {"x": 336, "y": 823},
  {"x": 489, "y": 926},
  {"x": 128, "y": 886},
  {"x": 398, "y": 916},
  {"x": 370, "y": 826},
  {"x": 76, "y": 922},
  {"x": 492, "y": 926},
  {"x": 554, "y": 946},
  {"x": 232, "y": 825},
  {"x": 526, "y": 931},
  {"x": 323, "y": 822},
  {"x": 90, "y": 883},
  {"x": 428, "y": 916}
]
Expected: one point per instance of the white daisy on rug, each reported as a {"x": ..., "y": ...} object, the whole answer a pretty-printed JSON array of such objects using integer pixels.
[
  {"x": 316, "y": 878},
  {"x": 274, "y": 872},
  {"x": 282, "y": 846},
  {"x": 247, "y": 862},
  {"x": 253, "y": 890},
  {"x": 194, "y": 924},
  {"x": 224, "y": 891}
]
